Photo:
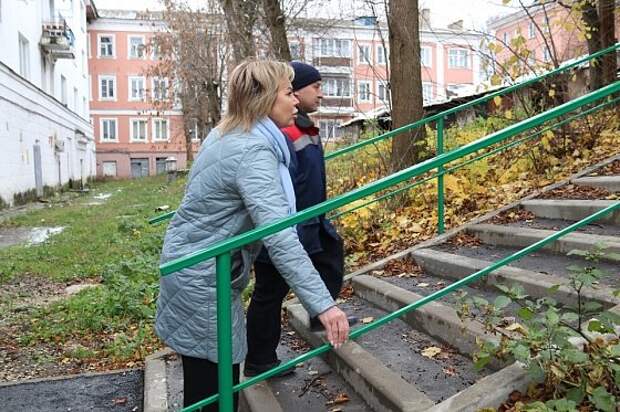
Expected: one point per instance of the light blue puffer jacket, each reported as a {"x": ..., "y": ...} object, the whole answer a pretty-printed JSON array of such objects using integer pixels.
[{"x": 233, "y": 187}]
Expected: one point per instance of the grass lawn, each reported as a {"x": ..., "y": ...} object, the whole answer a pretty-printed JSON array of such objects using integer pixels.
[{"x": 45, "y": 332}]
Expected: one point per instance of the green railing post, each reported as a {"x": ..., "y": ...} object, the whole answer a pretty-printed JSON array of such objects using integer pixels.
[
  {"x": 224, "y": 332},
  {"x": 440, "y": 189}
]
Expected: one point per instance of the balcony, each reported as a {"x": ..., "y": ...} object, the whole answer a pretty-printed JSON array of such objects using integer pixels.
[{"x": 57, "y": 40}]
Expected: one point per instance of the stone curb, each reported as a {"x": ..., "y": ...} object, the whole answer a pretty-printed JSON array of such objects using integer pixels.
[
  {"x": 455, "y": 267},
  {"x": 611, "y": 183},
  {"x": 258, "y": 398},
  {"x": 568, "y": 209},
  {"x": 155, "y": 381},
  {"x": 522, "y": 237},
  {"x": 65, "y": 377},
  {"x": 434, "y": 318},
  {"x": 489, "y": 392},
  {"x": 379, "y": 386}
]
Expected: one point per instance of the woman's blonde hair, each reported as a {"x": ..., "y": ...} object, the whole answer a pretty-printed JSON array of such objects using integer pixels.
[{"x": 252, "y": 91}]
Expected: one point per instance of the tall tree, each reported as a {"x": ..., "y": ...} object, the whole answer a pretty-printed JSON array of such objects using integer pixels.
[
  {"x": 275, "y": 20},
  {"x": 406, "y": 82},
  {"x": 241, "y": 17}
]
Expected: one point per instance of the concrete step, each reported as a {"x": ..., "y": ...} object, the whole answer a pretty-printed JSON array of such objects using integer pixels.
[
  {"x": 573, "y": 210},
  {"x": 522, "y": 237},
  {"x": 435, "y": 319},
  {"x": 380, "y": 387},
  {"x": 611, "y": 183},
  {"x": 455, "y": 267}
]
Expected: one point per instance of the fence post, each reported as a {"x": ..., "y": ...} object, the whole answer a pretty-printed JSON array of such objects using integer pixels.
[
  {"x": 440, "y": 169},
  {"x": 224, "y": 333}
]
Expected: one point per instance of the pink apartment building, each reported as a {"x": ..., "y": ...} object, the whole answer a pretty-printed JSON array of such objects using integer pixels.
[
  {"x": 133, "y": 137},
  {"x": 553, "y": 23}
]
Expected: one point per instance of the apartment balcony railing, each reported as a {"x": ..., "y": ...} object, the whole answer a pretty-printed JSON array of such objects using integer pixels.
[{"x": 57, "y": 40}]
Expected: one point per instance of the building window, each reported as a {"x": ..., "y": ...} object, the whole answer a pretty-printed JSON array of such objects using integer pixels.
[
  {"x": 109, "y": 168},
  {"x": 107, "y": 87},
  {"x": 106, "y": 45},
  {"x": 546, "y": 55},
  {"x": 337, "y": 87},
  {"x": 458, "y": 59},
  {"x": 84, "y": 107},
  {"x": 295, "y": 51},
  {"x": 427, "y": 92},
  {"x": 136, "y": 88},
  {"x": 160, "y": 129},
  {"x": 109, "y": 130},
  {"x": 381, "y": 55},
  {"x": 24, "y": 56},
  {"x": 547, "y": 24},
  {"x": 63, "y": 90},
  {"x": 160, "y": 165},
  {"x": 363, "y": 54},
  {"x": 329, "y": 129},
  {"x": 137, "y": 130},
  {"x": 531, "y": 30},
  {"x": 506, "y": 39},
  {"x": 383, "y": 93},
  {"x": 425, "y": 56},
  {"x": 75, "y": 99},
  {"x": 84, "y": 62},
  {"x": 160, "y": 88},
  {"x": 363, "y": 91},
  {"x": 332, "y": 48},
  {"x": 136, "y": 47}
]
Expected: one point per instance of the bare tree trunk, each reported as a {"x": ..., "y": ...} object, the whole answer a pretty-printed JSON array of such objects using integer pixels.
[
  {"x": 606, "y": 9},
  {"x": 276, "y": 21},
  {"x": 406, "y": 82},
  {"x": 240, "y": 18},
  {"x": 591, "y": 18}
]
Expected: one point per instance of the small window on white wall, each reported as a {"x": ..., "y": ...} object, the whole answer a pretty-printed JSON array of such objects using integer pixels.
[{"x": 24, "y": 56}]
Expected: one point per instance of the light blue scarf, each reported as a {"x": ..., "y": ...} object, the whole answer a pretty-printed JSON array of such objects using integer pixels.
[{"x": 268, "y": 129}]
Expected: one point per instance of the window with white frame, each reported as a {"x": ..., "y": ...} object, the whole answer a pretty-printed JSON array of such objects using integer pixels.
[
  {"x": 332, "y": 47},
  {"x": 88, "y": 52},
  {"x": 336, "y": 87},
  {"x": 160, "y": 88},
  {"x": 136, "y": 47},
  {"x": 427, "y": 92},
  {"x": 295, "y": 50},
  {"x": 458, "y": 59},
  {"x": 506, "y": 39},
  {"x": 107, "y": 87},
  {"x": 328, "y": 128},
  {"x": 160, "y": 129},
  {"x": 546, "y": 55},
  {"x": 381, "y": 55},
  {"x": 383, "y": 92},
  {"x": 106, "y": 45},
  {"x": 425, "y": 56},
  {"x": 136, "y": 88},
  {"x": 363, "y": 54},
  {"x": 363, "y": 91},
  {"x": 547, "y": 24},
  {"x": 137, "y": 130},
  {"x": 24, "y": 56},
  {"x": 531, "y": 30},
  {"x": 75, "y": 99},
  {"x": 108, "y": 130}
]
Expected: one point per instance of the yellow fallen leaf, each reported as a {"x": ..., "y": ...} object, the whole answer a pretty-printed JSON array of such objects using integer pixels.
[
  {"x": 367, "y": 319},
  {"x": 431, "y": 352}
]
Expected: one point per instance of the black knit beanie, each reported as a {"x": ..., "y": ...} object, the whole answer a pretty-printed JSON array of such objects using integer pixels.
[{"x": 304, "y": 75}]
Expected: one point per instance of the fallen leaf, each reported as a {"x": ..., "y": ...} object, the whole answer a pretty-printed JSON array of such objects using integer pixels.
[
  {"x": 450, "y": 371},
  {"x": 119, "y": 401},
  {"x": 422, "y": 285},
  {"x": 431, "y": 352},
  {"x": 368, "y": 319},
  {"x": 341, "y": 398}
]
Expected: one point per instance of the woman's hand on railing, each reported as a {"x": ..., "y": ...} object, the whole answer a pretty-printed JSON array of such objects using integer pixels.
[{"x": 336, "y": 326}]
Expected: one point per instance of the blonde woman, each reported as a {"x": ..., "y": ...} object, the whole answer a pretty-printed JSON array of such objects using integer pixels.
[{"x": 239, "y": 181}]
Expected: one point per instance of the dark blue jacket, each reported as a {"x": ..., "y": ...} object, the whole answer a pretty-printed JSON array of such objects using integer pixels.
[{"x": 309, "y": 180}]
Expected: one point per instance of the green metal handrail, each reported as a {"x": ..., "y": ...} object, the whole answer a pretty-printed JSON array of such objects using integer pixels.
[
  {"x": 440, "y": 119},
  {"x": 222, "y": 250},
  {"x": 408, "y": 308}
]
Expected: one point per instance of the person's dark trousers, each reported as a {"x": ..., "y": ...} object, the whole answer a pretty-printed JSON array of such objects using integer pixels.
[
  {"x": 200, "y": 382},
  {"x": 270, "y": 289}
]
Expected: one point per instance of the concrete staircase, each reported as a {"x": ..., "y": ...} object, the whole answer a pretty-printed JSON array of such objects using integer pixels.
[{"x": 423, "y": 361}]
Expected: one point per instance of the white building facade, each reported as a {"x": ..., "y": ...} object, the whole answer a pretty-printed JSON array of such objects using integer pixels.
[{"x": 45, "y": 131}]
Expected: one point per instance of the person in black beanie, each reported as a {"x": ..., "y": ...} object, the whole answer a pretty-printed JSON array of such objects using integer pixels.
[{"x": 317, "y": 235}]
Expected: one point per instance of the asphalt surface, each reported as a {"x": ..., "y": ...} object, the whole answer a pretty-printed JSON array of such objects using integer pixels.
[{"x": 117, "y": 392}]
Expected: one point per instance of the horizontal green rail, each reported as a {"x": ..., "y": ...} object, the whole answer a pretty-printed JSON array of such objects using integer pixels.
[
  {"x": 479, "y": 157},
  {"x": 415, "y": 305},
  {"x": 384, "y": 183},
  {"x": 442, "y": 115}
]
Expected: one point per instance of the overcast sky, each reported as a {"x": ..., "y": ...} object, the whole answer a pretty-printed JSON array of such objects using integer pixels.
[{"x": 443, "y": 12}]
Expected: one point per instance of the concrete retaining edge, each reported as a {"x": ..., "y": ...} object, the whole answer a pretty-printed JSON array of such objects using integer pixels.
[{"x": 570, "y": 209}]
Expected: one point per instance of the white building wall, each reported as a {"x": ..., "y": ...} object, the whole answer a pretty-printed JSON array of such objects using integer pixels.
[{"x": 30, "y": 109}]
